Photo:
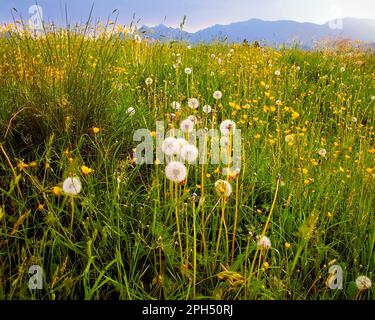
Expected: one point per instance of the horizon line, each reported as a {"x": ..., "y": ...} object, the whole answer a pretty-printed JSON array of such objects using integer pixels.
[
  {"x": 194, "y": 30},
  {"x": 264, "y": 20}
]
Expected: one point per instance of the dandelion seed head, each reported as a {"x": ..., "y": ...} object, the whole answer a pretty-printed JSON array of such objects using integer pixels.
[
  {"x": 263, "y": 242},
  {"x": 187, "y": 126},
  {"x": 193, "y": 103},
  {"x": 363, "y": 283},
  {"x": 170, "y": 146},
  {"x": 217, "y": 95},
  {"x": 149, "y": 81},
  {"x": 72, "y": 186},
  {"x": 277, "y": 73},
  {"x": 227, "y": 126},
  {"x": 223, "y": 188},
  {"x": 175, "y": 171},
  {"x": 188, "y": 70},
  {"x": 189, "y": 153},
  {"x": 130, "y": 111},
  {"x": 322, "y": 152}
]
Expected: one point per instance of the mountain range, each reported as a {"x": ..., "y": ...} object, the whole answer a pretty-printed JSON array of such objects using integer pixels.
[{"x": 271, "y": 32}]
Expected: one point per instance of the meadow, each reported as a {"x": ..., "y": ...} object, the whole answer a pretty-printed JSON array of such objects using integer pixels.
[{"x": 75, "y": 201}]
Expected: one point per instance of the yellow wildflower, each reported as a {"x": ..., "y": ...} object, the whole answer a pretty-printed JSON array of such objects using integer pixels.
[
  {"x": 57, "y": 191},
  {"x": 86, "y": 170},
  {"x": 95, "y": 130},
  {"x": 33, "y": 164},
  {"x": 295, "y": 115},
  {"x": 22, "y": 165}
]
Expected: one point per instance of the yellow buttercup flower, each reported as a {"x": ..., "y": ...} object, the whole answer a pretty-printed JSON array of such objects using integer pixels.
[
  {"x": 295, "y": 115},
  {"x": 22, "y": 166},
  {"x": 33, "y": 164},
  {"x": 86, "y": 170},
  {"x": 289, "y": 138},
  {"x": 95, "y": 130},
  {"x": 57, "y": 191}
]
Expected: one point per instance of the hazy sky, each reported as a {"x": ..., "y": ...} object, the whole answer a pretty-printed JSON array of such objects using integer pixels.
[{"x": 200, "y": 13}]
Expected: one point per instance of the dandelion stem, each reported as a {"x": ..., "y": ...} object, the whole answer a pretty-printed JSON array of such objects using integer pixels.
[
  {"x": 160, "y": 269},
  {"x": 226, "y": 237},
  {"x": 72, "y": 216},
  {"x": 178, "y": 223},
  {"x": 273, "y": 205},
  {"x": 187, "y": 233},
  {"x": 222, "y": 220},
  {"x": 195, "y": 251},
  {"x": 203, "y": 213},
  {"x": 235, "y": 219}
]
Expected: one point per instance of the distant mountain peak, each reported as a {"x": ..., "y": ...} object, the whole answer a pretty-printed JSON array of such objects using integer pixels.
[{"x": 272, "y": 32}]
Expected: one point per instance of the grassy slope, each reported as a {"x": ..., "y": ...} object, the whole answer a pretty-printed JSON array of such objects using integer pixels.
[{"x": 124, "y": 243}]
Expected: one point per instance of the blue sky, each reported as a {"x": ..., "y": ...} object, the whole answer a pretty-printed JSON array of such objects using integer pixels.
[{"x": 200, "y": 13}]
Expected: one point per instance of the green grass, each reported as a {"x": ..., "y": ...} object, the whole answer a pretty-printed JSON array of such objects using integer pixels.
[{"x": 124, "y": 243}]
